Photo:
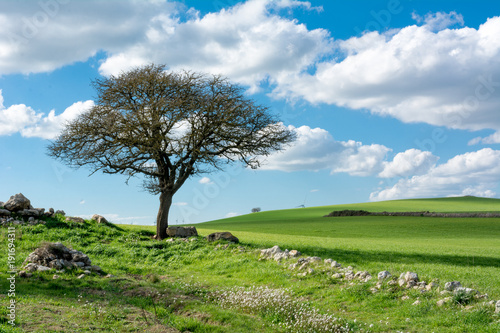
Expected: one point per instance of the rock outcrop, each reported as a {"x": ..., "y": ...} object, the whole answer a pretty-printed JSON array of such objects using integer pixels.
[
  {"x": 17, "y": 202},
  {"x": 182, "y": 232},
  {"x": 224, "y": 236},
  {"x": 18, "y": 210},
  {"x": 99, "y": 218},
  {"x": 56, "y": 256}
]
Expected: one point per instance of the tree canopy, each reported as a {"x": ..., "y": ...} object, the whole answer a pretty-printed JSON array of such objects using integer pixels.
[{"x": 168, "y": 126}]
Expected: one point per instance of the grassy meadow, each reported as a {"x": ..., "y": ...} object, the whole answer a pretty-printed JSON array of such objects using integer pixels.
[{"x": 197, "y": 286}]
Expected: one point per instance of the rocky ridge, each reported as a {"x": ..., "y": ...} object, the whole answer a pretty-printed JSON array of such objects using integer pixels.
[
  {"x": 56, "y": 256},
  {"x": 19, "y": 211},
  {"x": 452, "y": 291}
]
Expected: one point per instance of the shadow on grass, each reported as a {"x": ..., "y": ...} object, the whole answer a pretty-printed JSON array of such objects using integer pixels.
[{"x": 362, "y": 257}]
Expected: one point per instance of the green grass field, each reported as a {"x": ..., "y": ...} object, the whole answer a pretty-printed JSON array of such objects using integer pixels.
[
  {"x": 465, "y": 249},
  {"x": 179, "y": 284}
]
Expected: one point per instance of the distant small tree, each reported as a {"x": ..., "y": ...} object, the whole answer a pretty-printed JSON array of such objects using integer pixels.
[
  {"x": 256, "y": 210},
  {"x": 168, "y": 126}
]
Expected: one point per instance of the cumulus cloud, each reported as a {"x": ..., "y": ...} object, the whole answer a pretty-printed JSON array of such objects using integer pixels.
[
  {"x": 411, "y": 74},
  {"x": 316, "y": 149},
  {"x": 473, "y": 173},
  {"x": 248, "y": 42},
  {"x": 409, "y": 163},
  {"x": 439, "y": 21},
  {"x": 23, "y": 119},
  {"x": 41, "y": 36},
  {"x": 50, "y": 126},
  {"x": 16, "y": 117}
]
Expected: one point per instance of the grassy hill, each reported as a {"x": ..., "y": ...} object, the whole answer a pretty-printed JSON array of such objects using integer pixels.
[
  {"x": 198, "y": 286},
  {"x": 445, "y": 205}
]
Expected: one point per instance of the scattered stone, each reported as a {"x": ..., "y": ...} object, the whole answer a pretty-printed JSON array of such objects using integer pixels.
[
  {"x": 4, "y": 212},
  {"x": 57, "y": 256},
  {"x": 182, "y": 232},
  {"x": 417, "y": 302},
  {"x": 81, "y": 276},
  {"x": 60, "y": 212},
  {"x": 363, "y": 276},
  {"x": 99, "y": 218},
  {"x": 410, "y": 276},
  {"x": 431, "y": 286},
  {"x": 441, "y": 302},
  {"x": 310, "y": 271},
  {"x": 75, "y": 219},
  {"x": 405, "y": 297},
  {"x": 303, "y": 266},
  {"x": 497, "y": 307},
  {"x": 31, "y": 267},
  {"x": 466, "y": 291},
  {"x": 109, "y": 276},
  {"x": 17, "y": 202},
  {"x": 336, "y": 264},
  {"x": 55, "y": 277},
  {"x": 87, "y": 272},
  {"x": 42, "y": 268},
  {"x": 313, "y": 259},
  {"x": 295, "y": 253},
  {"x": 269, "y": 253},
  {"x": 383, "y": 275},
  {"x": 337, "y": 276},
  {"x": 328, "y": 261},
  {"x": 224, "y": 236},
  {"x": 30, "y": 212},
  {"x": 450, "y": 286}
]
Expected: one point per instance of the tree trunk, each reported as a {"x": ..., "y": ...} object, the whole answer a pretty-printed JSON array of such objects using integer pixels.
[{"x": 162, "y": 218}]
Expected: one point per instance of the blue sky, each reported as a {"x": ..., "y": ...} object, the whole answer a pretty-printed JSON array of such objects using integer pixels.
[{"x": 389, "y": 99}]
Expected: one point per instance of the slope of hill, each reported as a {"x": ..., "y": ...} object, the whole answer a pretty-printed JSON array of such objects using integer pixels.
[{"x": 453, "y": 204}]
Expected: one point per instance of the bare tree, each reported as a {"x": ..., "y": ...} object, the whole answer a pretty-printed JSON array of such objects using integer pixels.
[{"x": 167, "y": 127}]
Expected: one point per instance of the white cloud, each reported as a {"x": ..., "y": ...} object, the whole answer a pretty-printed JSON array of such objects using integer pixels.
[
  {"x": 474, "y": 173},
  {"x": 180, "y": 204},
  {"x": 408, "y": 163},
  {"x": 315, "y": 149},
  {"x": 247, "y": 42},
  {"x": 439, "y": 21},
  {"x": 41, "y": 36},
  {"x": 16, "y": 117},
  {"x": 411, "y": 74},
  {"x": 82, "y": 202},
  {"x": 50, "y": 126},
  {"x": 23, "y": 119},
  {"x": 205, "y": 180},
  {"x": 231, "y": 214}
]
